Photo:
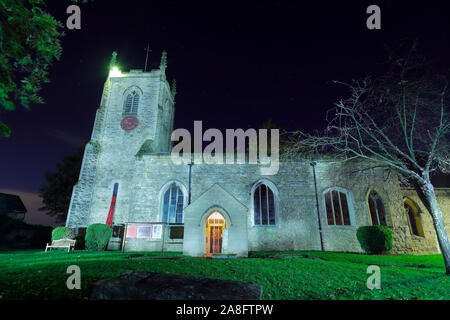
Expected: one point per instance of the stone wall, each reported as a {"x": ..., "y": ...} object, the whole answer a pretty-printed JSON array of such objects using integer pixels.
[
  {"x": 296, "y": 221},
  {"x": 293, "y": 228},
  {"x": 404, "y": 241},
  {"x": 82, "y": 192}
]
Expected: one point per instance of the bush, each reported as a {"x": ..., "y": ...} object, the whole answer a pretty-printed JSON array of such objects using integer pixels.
[
  {"x": 63, "y": 233},
  {"x": 97, "y": 236},
  {"x": 17, "y": 234},
  {"x": 375, "y": 239}
]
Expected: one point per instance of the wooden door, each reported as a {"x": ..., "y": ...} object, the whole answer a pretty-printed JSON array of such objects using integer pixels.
[{"x": 214, "y": 234}]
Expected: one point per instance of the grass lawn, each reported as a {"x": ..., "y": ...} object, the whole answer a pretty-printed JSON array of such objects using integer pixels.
[{"x": 39, "y": 275}]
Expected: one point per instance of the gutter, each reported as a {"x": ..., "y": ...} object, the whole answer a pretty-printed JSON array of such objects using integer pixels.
[{"x": 313, "y": 165}]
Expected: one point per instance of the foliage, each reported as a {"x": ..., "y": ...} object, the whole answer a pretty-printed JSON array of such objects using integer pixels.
[
  {"x": 57, "y": 193},
  {"x": 36, "y": 275},
  {"x": 16, "y": 233},
  {"x": 375, "y": 239},
  {"x": 29, "y": 44},
  {"x": 62, "y": 233},
  {"x": 97, "y": 236}
]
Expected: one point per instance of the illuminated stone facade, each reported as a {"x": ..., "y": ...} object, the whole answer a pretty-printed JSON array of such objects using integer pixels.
[{"x": 139, "y": 161}]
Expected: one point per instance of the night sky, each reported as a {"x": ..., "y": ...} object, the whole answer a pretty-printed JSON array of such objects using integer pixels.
[{"x": 237, "y": 64}]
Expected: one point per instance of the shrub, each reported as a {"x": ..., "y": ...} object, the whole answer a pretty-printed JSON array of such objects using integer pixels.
[
  {"x": 63, "y": 233},
  {"x": 375, "y": 239},
  {"x": 17, "y": 234},
  {"x": 97, "y": 236}
]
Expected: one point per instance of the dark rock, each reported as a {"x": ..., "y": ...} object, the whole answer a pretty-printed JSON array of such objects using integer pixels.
[{"x": 145, "y": 285}]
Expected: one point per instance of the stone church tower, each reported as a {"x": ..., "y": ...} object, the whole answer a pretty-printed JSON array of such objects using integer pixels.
[{"x": 135, "y": 116}]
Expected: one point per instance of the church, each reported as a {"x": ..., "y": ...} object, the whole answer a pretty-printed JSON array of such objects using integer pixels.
[{"x": 129, "y": 180}]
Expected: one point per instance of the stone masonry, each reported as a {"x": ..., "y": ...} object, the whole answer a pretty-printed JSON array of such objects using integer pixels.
[{"x": 139, "y": 161}]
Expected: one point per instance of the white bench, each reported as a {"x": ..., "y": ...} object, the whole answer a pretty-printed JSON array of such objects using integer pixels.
[{"x": 61, "y": 243}]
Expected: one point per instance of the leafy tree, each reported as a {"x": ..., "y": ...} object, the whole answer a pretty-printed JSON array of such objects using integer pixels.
[
  {"x": 398, "y": 121},
  {"x": 29, "y": 44},
  {"x": 58, "y": 191}
]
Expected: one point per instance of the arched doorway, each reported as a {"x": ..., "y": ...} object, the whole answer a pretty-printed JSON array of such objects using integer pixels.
[{"x": 214, "y": 234}]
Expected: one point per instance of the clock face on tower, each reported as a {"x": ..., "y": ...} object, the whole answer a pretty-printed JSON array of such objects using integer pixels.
[{"x": 129, "y": 123}]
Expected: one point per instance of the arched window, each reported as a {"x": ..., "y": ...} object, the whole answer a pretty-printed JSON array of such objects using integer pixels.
[
  {"x": 173, "y": 200},
  {"x": 376, "y": 209},
  {"x": 131, "y": 103},
  {"x": 264, "y": 205},
  {"x": 337, "y": 207},
  {"x": 412, "y": 213}
]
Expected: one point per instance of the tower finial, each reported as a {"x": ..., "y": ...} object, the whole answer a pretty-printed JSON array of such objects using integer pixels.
[
  {"x": 113, "y": 61},
  {"x": 174, "y": 88},
  {"x": 113, "y": 67},
  {"x": 163, "y": 64}
]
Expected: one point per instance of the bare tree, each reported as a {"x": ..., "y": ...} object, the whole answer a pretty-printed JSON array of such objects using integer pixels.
[{"x": 396, "y": 121}]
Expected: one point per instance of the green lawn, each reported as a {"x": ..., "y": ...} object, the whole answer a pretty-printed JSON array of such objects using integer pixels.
[{"x": 39, "y": 275}]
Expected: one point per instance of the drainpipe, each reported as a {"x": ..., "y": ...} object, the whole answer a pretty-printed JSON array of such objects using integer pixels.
[
  {"x": 189, "y": 186},
  {"x": 313, "y": 165}
]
